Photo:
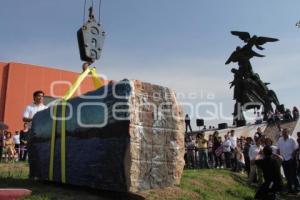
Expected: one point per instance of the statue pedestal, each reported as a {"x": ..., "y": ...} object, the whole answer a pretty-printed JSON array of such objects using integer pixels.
[{"x": 240, "y": 123}]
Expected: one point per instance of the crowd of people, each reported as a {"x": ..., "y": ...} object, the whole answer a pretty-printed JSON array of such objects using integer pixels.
[
  {"x": 256, "y": 156},
  {"x": 13, "y": 146},
  {"x": 214, "y": 152},
  {"x": 277, "y": 117}
]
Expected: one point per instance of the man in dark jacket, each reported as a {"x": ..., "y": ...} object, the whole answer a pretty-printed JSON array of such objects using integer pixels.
[{"x": 270, "y": 165}]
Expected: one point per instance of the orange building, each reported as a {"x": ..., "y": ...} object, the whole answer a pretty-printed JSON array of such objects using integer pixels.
[{"x": 18, "y": 82}]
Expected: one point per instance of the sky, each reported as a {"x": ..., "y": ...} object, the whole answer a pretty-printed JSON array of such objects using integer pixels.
[{"x": 179, "y": 44}]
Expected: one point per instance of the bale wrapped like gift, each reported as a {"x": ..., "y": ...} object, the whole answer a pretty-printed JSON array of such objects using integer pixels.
[{"x": 125, "y": 136}]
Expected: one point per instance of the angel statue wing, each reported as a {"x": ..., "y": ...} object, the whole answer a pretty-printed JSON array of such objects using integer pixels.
[
  {"x": 262, "y": 40},
  {"x": 245, "y": 36}
]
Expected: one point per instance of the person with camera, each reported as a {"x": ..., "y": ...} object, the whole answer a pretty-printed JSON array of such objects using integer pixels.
[{"x": 270, "y": 165}]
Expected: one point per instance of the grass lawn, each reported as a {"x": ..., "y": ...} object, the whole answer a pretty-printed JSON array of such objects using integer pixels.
[
  {"x": 206, "y": 184},
  {"x": 195, "y": 184}
]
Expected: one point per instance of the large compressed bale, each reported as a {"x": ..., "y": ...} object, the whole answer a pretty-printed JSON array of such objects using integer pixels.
[{"x": 126, "y": 136}]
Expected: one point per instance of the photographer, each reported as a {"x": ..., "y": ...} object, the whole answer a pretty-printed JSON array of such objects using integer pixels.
[{"x": 271, "y": 172}]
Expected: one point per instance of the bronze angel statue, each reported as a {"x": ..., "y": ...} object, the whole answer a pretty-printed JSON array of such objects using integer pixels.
[{"x": 249, "y": 89}]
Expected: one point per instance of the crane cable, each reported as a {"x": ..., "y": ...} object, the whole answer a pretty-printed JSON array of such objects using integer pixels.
[{"x": 99, "y": 11}]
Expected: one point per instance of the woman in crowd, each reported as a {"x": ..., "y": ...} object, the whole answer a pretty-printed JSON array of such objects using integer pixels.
[
  {"x": 9, "y": 146},
  {"x": 23, "y": 140},
  {"x": 211, "y": 159},
  {"x": 16, "y": 139},
  {"x": 240, "y": 159},
  {"x": 217, "y": 143},
  {"x": 190, "y": 152}
]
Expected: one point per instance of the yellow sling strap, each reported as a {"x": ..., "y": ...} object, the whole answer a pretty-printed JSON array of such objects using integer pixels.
[{"x": 97, "y": 83}]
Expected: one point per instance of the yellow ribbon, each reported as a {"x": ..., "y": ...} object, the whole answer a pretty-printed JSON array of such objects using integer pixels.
[
  {"x": 63, "y": 141},
  {"x": 97, "y": 83},
  {"x": 53, "y": 130}
]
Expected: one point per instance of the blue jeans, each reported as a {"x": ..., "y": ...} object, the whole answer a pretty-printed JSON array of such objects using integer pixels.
[{"x": 203, "y": 158}]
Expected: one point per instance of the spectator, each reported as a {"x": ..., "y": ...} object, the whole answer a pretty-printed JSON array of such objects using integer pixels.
[
  {"x": 240, "y": 165},
  {"x": 254, "y": 151},
  {"x": 227, "y": 146},
  {"x": 2, "y": 138},
  {"x": 270, "y": 117},
  {"x": 263, "y": 140},
  {"x": 269, "y": 142},
  {"x": 298, "y": 155},
  {"x": 202, "y": 150},
  {"x": 30, "y": 111},
  {"x": 33, "y": 108},
  {"x": 217, "y": 143},
  {"x": 248, "y": 144},
  {"x": 287, "y": 147},
  {"x": 190, "y": 145},
  {"x": 271, "y": 172},
  {"x": 210, "y": 151},
  {"x": 258, "y": 134},
  {"x": 259, "y": 118},
  {"x": 187, "y": 121},
  {"x": 233, "y": 140},
  {"x": 287, "y": 115},
  {"x": 277, "y": 117},
  {"x": 24, "y": 140},
  {"x": 295, "y": 113},
  {"x": 242, "y": 142},
  {"x": 16, "y": 139},
  {"x": 9, "y": 147}
]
